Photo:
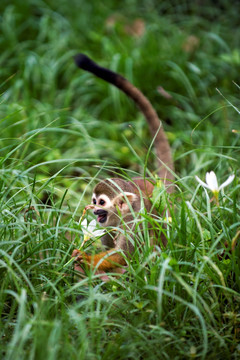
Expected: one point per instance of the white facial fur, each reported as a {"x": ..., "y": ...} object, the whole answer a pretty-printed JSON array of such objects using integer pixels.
[
  {"x": 105, "y": 198},
  {"x": 102, "y": 202}
]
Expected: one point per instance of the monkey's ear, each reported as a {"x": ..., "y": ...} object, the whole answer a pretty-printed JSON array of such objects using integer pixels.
[{"x": 123, "y": 200}]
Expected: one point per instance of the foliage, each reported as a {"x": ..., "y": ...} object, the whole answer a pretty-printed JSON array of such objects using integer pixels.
[{"x": 62, "y": 130}]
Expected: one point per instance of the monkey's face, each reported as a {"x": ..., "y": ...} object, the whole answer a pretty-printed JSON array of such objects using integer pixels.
[
  {"x": 105, "y": 210},
  {"x": 109, "y": 210}
]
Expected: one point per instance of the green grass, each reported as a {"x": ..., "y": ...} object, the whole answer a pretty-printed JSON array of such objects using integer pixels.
[{"x": 61, "y": 130}]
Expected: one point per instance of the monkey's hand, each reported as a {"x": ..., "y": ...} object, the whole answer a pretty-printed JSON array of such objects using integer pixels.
[
  {"x": 109, "y": 263},
  {"x": 80, "y": 257}
]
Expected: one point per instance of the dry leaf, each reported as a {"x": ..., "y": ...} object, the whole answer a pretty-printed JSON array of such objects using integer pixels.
[
  {"x": 164, "y": 93},
  {"x": 136, "y": 29},
  {"x": 191, "y": 43},
  {"x": 112, "y": 20}
]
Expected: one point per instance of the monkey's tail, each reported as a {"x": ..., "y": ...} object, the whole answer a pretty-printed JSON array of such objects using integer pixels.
[{"x": 161, "y": 144}]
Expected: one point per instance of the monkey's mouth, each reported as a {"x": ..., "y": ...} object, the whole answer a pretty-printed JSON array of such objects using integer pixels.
[{"x": 102, "y": 215}]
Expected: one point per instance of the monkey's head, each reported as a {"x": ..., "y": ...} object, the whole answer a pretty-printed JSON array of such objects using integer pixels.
[{"x": 111, "y": 197}]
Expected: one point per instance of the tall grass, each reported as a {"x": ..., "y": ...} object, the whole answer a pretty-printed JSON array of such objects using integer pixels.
[{"x": 62, "y": 130}]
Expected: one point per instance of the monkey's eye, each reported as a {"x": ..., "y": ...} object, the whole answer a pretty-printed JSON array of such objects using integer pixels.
[
  {"x": 94, "y": 201},
  {"x": 101, "y": 202}
]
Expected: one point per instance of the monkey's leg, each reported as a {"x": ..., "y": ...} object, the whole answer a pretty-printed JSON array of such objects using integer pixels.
[{"x": 111, "y": 262}]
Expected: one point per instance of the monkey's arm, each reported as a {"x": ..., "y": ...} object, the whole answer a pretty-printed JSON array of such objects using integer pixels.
[
  {"x": 112, "y": 260},
  {"x": 107, "y": 241}
]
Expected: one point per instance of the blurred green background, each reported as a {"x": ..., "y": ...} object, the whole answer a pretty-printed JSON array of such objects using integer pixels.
[{"x": 187, "y": 48}]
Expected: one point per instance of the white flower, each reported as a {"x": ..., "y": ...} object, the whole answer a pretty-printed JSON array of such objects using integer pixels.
[
  {"x": 212, "y": 183},
  {"x": 89, "y": 230}
]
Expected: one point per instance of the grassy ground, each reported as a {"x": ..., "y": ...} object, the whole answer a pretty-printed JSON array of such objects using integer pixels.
[{"x": 61, "y": 130}]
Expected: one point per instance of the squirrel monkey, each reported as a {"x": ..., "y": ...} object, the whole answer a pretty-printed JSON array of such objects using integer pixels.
[{"x": 115, "y": 200}]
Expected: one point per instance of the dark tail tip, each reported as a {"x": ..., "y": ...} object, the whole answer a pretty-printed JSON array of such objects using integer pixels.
[{"x": 84, "y": 62}]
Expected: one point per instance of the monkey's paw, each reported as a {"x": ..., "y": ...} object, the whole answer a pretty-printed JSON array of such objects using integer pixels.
[{"x": 80, "y": 256}]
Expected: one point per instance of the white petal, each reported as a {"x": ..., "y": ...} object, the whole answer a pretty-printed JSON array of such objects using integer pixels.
[
  {"x": 202, "y": 183},
  {"x": 84, "y": 227},
  {"x": 98, "y": 233},
  {"x": 211, "y": 180},
  {"x": 227, "y": 182},
  {"x": 92, "y": 226},
  {"x": 84, "y": 223},
  {"x": 85, "y": 232},
  {"x": 93, "y": 222}
]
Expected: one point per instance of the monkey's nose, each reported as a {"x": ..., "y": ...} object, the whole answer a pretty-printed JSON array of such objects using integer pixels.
[{"x": 100, "y": 212}]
